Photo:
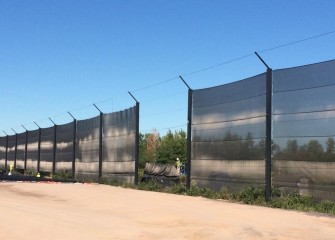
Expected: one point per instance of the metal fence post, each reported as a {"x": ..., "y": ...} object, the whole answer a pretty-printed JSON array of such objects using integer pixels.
[
  {"x": 137, "y": 139},
  {"x": 54, "y": 153},
  {"x": 268, "y": 123},
  {"x": 38, "y": 147},
  {"x": 15, "y": 152},
  {"x": 6, "y": 163},
  {"x": 39, "y": 150},
  {"x": 6, "y": 151},
  {"x": 74, "y": 142},
  {"x": 25, "y": 149},
  {"x": 189, "y": 137},
  {"x": 15, "y": 148},
  {"x": 137, "y": 142},
  {"x": 74, "y": 148},
  {"x": 101, "y": 144},
  {"x": 268, "y": 145},
  {"x": 189, "y": 133},
  {"x": 100, "y": 140},
  {"x": 54, "y": 148}
]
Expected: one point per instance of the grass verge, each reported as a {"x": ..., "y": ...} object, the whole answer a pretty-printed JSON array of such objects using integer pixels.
[{"x": 249, "y": 195}]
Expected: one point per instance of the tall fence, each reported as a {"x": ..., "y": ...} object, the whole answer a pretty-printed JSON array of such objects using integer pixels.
[
  {"x": 103, "y": 146},
  {"x": 277, "y": 128},
  {"x": 304, "y": 129},
  {"x": 229, "y": 132}
]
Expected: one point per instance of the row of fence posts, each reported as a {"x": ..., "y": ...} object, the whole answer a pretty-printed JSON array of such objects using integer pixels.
[
  {"x": 39, "y": 148},
  {"x": 73, "y": 145},
  {"x": 268, "y": 141},
  {"x": 268, "y": 149}
]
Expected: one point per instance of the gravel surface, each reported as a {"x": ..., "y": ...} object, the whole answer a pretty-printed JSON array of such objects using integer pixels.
[{"x": 92, "y": 211}]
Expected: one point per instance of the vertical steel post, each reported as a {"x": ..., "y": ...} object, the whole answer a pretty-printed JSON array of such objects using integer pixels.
[
  {"x": 74, "y": 142},
  {"x": 101, "y": 144},
  {"x": 189, "y": 137},
  {"x": 54, "y": 148},
  {"x": 6, "y": 151},
  {"x": 54, "y": 151},
  {"x": 25, "y": 152},
  {"x": 268, "y": 129},
  {"x": 15, "y": 151},
  {"x": 189, "y": 133},
  {"x": 137, "y": 139},
  {"x": 25, "y": 149},
  {"x": 74, "y": 148},
  {"x": 38, "y": 147},
  {"x": 15, "y": 148},
  {"x": 137, "y": 142},
  {"x": 268, "y": 141},
  {"x": 100, "y": 141}
]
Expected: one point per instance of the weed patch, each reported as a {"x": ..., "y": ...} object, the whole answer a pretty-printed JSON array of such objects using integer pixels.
[{"x": 248, "y": 195}]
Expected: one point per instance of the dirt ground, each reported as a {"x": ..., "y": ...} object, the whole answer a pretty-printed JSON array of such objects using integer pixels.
[{"x": 84, "y": 211}]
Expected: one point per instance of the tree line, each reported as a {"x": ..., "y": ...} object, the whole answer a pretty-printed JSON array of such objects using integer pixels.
[
  {"x": 311, "y": 151},
  {"x": 162, "y": 149},
  {"x": 166, "y": 149}
]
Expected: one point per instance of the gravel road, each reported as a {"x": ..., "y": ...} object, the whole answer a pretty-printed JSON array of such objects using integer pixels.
[{"x": 92, "y": 211}]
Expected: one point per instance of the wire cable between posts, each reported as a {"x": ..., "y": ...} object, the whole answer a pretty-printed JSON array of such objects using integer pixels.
[
  {"x": 236, "y": 59},
  {"x": 298, "y": 41},
  {"x": 209, "y": 68}
]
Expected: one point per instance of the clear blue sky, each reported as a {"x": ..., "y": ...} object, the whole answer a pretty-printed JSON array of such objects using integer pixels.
[{"x": 63, "y": 55}]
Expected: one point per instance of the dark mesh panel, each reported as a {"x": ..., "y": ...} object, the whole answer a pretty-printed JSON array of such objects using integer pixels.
[
  {"x": 20, "y": 155},
  {"x": 32, "y": 150},
  {"x": 3, "y": 143},
  {"x": 228, "y": 134},
  {"x": 11, "y": 150},
  {"x": 47, "y": 145},
  {"x": 87, "y": 150},
  {"x": 64, "y": 151},
  {"x": 303, "y": 129},
  {"x": 119, "y": 145}
]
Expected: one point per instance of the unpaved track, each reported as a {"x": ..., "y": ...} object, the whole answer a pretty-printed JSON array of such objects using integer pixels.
[{"x": 82, "y": 211}]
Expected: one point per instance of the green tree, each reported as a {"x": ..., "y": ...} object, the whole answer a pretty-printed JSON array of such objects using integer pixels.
[
  {"x": 149, "y": 143},
  {"x": 231, "y": 147},
  {"x": 247, "y": 147},
  {"x": 291, "y": 151},
  {"x": 276, "y": 150},
  {"x": 292, "y": 146},
  {"x": 171, "y": 147},
  {"x": 330, "y": 145},
  {"x": 315, "y": 150},
  {"x": 330, "y": 150}
]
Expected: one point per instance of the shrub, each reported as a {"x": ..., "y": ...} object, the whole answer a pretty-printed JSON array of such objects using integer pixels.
[
  {"x": 294, "y": 201},
  {"x": 63, "y": 174},
  {"x": 30, "y": 172},
  {"x": 150, "y": 186},
  {"x": 251, "y": 195},
  {"x": 178, "y": 189},
  {"x": 326, "y": 207},
  {"x": 248, "y": 195},
  {"x": 203, "y": 192}
]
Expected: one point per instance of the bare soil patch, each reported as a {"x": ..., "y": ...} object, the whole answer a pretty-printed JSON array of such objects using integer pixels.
[{"x": 91, "y": 211}]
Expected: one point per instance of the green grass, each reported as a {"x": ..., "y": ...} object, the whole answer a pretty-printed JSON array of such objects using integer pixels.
[
  {"x": 30, "y": 172},
  {"x": 248, "y": 195},
  {"x": 63, "y": 174}
]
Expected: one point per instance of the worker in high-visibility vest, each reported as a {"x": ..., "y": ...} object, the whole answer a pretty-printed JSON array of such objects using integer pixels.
[
  {"x": 11, "y": 168},
  {"x": 178, "y": 164}
]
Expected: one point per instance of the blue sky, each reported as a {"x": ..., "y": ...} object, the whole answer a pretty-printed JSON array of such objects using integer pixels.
[{"x": 63, "y": 55}]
